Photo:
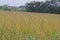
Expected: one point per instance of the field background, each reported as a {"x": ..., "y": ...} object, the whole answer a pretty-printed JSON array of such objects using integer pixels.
[{"x": 29, "y": 26}]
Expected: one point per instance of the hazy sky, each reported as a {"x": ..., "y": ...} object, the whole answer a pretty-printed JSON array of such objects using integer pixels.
[{"x": 16, "y": 2}]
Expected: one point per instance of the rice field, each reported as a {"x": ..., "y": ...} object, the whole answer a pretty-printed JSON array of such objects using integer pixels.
[{"x": 29, "y": 26}]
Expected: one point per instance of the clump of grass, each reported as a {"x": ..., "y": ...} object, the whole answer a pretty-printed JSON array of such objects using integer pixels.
[
  {"x": 30, "y": 37},
  {"x": 58, "y": 35}
]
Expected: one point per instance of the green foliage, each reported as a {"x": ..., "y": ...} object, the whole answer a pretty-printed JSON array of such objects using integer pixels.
[
  {"x": 46, "y": 7},
  {"x": 9, "y": 8}
]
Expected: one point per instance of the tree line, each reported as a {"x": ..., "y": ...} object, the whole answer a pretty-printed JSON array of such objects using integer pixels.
[
  {"x": 48, "y": 6},
  {"x": 51, "y": 6}
]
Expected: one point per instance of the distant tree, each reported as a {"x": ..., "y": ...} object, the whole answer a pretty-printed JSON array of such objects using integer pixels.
[
  {"x": 53, "y": 1},
  {"x": 4, "y": 7},
  {"x": 30, "y": 7},
  {"x": 34, "y": 6},
  {"x": 9, "y": 8}
]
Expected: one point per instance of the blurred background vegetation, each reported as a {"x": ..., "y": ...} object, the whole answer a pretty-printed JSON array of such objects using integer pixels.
[{"x": 51, "y": 6}]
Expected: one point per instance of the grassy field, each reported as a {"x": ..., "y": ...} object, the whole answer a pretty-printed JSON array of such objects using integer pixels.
[{"x": 29, "y": 26}]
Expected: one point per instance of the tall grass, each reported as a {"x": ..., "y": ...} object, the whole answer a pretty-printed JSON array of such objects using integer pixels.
[{"x": 26, "y": 26}]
